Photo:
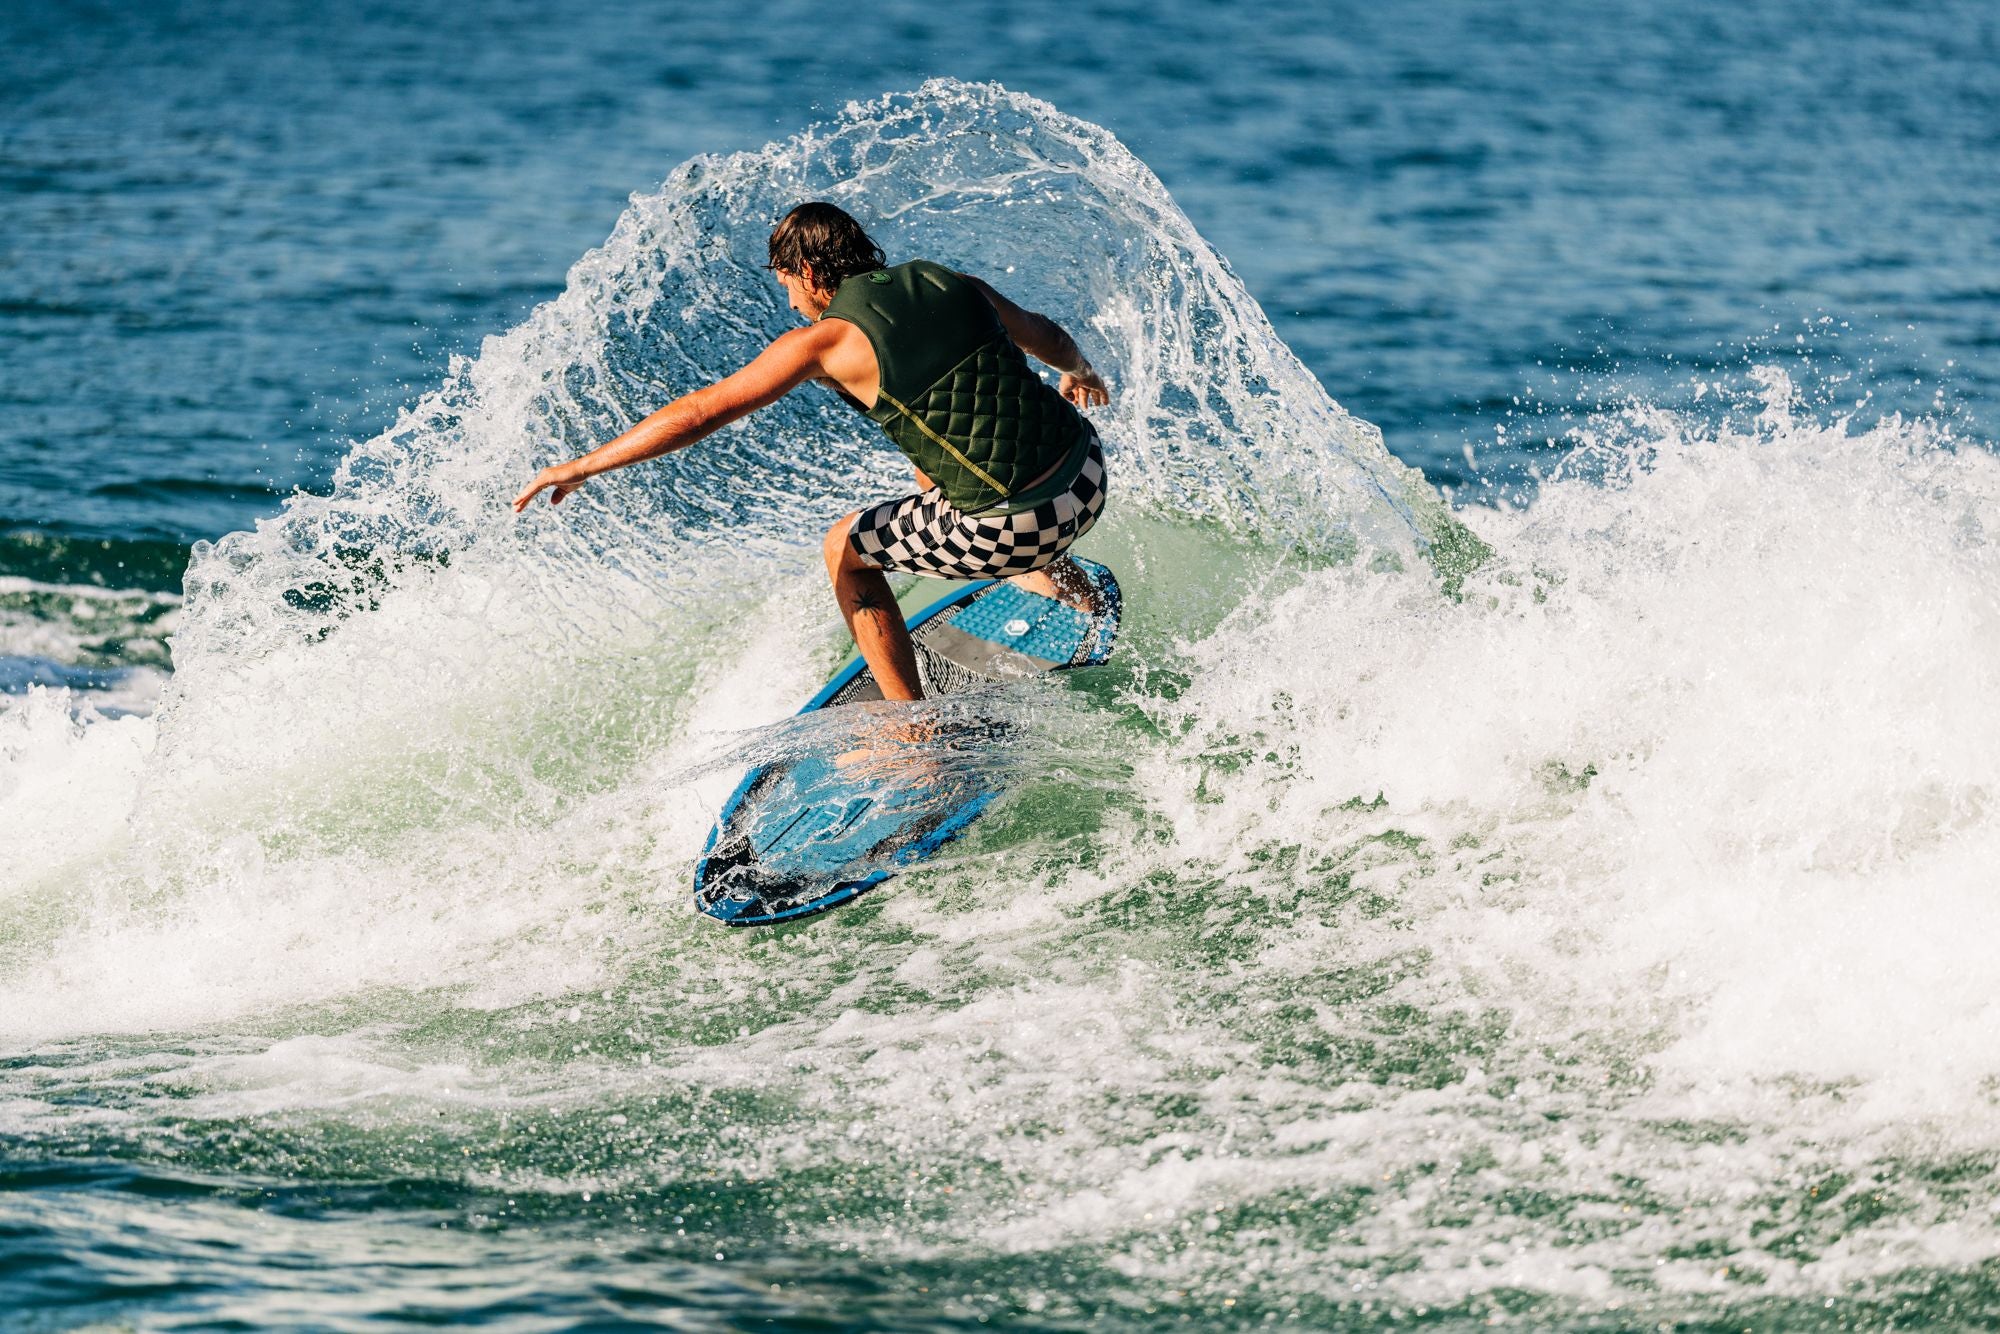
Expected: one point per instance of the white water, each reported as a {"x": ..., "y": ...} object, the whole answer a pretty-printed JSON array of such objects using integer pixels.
[
  {"x": 1687, "y": 810},
  {"x": 362, "y": 732}
]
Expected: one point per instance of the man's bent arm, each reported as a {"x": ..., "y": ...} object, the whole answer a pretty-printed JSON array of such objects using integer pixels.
[
  {"x": 1037, "y": 335},
  {"x": 790, "y": 360},
  {"x": 1048, "y": 342}
]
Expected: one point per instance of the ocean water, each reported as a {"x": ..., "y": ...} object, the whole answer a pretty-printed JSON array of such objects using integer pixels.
[{"x": 1531, "y": 862}]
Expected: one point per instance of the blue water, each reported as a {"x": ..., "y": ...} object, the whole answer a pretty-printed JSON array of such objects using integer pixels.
[
  {"x": 237, "y": 237},
  {"x": 1589, "y": 935}
]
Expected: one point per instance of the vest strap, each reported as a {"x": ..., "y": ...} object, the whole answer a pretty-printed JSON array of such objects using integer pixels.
[{"x": 948, "y": 447}]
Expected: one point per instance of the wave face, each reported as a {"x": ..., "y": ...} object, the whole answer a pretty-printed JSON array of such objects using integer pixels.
[{"x": 1601, "y": 929}]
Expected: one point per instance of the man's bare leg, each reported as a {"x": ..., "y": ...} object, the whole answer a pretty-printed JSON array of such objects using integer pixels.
[
  {"x": 1064, "y": 581},
  {"x": 872, "y": 616}
]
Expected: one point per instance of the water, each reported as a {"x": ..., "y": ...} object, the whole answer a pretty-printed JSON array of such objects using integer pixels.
[{"x": 1592, "y": 934}]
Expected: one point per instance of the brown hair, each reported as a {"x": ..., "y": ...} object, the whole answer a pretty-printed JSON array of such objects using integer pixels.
[{"x": 820, "y": 242}]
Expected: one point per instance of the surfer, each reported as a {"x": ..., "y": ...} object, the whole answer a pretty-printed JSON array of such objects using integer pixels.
[{"x": 1009, "y": 473}]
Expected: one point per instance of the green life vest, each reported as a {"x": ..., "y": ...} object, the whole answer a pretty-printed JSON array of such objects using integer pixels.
[{"x": 957, "y": 395}]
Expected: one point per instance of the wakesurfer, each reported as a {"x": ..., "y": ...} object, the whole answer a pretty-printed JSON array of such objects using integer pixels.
[{"x": 1009, "y": 473}]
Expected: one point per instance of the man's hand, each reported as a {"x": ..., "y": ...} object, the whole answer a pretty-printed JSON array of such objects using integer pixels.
[
  {"x": 555, "y": 480},
  {"x": 1085, "y": 388}
]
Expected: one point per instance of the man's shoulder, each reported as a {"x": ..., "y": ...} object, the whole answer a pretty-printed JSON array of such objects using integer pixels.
[
  {"x": 811, "y": 342},
  {"x": 824, "y": 337}
]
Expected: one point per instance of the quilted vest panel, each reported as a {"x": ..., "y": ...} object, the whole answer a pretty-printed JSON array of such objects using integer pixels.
[{"x": 958, "y": 397}]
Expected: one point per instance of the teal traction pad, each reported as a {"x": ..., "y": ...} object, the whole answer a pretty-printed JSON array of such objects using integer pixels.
[
  {"x": 1023, "y": 623},
  {"x": 801, "y": 835}
]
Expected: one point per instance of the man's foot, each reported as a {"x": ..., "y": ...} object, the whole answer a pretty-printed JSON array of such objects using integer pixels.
[
  {"x": 890, "y": 748},
  {"x": 1064, "y": 581}
]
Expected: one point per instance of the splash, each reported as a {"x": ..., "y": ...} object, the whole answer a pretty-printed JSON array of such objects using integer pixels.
[
  {"x": 401, "y": 671},
  {"x": 1649, "y": 883}
]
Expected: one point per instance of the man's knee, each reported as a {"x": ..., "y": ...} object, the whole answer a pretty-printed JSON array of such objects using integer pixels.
[{"x": 838, "y": 550}]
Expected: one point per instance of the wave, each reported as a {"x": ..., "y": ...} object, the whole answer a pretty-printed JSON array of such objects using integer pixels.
[{"x": 402, "y": 659}]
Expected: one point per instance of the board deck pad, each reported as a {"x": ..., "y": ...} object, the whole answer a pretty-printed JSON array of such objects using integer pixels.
[{"x": 805, "y": 833}]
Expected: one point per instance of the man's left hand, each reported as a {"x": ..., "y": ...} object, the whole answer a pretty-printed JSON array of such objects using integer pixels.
[
  {"x": 1085, "y": 388},
  {"x": 548, "y": 479}
]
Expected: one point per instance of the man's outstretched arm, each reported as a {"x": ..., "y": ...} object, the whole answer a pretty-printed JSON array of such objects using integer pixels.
[
  {"x": 790, "y": 360},
  {"x": 1049, "y": 343}
]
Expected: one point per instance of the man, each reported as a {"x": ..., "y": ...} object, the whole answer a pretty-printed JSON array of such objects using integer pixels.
[{"x": 935, "y": 358}]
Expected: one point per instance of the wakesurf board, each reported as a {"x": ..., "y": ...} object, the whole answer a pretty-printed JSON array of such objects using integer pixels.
[{"x": 809, "y": 832}]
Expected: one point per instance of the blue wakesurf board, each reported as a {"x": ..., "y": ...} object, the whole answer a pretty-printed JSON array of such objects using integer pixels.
[{"x": 804, "y": 833}]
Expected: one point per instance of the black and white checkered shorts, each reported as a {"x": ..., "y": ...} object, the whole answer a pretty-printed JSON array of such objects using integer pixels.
[{"x": 925, "y": 534}]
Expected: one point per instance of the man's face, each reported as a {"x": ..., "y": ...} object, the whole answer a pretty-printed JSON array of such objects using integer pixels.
[{"x": 805, "y": 299}]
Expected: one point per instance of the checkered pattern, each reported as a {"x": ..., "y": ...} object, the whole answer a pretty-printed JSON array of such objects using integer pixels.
[{"x": 925, "y": 534}]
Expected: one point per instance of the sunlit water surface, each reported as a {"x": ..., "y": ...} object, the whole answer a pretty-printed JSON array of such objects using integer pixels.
[{"x": 1571, "y": 912}]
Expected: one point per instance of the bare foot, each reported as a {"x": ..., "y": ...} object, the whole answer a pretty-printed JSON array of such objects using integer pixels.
[
  {"x": 889, "y": 749},
  {"x": 1064, "y": 581}
]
